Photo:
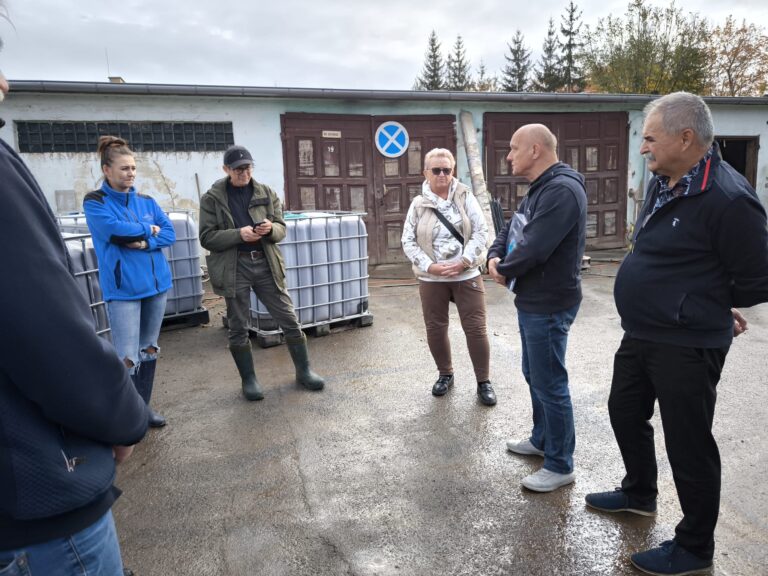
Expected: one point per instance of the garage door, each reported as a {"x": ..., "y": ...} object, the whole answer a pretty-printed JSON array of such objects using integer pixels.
[
  {"x": 331, "y": 163},
  {"x": 594, "y": 144}
]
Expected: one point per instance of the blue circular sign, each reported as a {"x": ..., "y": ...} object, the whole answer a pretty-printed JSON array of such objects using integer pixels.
[{"x": 392, "y": 139}]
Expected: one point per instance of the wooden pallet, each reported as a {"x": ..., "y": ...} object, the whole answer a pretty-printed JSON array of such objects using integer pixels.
[
  {"x": 186, "y": 319},
  {"x": 267, "y": 339}
]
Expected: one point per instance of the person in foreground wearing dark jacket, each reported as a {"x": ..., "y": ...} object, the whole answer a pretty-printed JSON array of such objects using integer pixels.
[
  {"x": 545, "y": 265},
  {"x": 700, "y": 249},
  {"x": 241, "y": 222},
  {"x": 68, "y": 409}
]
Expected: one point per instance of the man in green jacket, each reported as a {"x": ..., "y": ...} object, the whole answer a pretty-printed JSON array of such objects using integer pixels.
[{"x": 241, "y": 222}]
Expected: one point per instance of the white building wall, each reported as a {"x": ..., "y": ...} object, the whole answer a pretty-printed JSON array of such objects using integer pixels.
[{"x": 172, "y": 178}]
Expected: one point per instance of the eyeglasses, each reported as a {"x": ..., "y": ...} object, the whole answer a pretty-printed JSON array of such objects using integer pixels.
[
  {"x": 446, "y": 171},
  {"x": 243, "y": 169}
]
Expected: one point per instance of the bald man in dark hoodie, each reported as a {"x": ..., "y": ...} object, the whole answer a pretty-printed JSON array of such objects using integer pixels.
[{"x": 545, "y": 264}]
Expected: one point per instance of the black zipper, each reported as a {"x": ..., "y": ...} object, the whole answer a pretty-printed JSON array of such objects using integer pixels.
[
  {"x": 73, "y": 462},
  {"x": 151, "y": 259}
]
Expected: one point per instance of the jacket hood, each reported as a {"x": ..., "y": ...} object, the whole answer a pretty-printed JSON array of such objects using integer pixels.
[{"x": 559, "y": 169}]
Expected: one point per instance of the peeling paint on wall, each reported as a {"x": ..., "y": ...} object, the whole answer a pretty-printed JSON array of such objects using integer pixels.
[{"x": 163, "y": 184}]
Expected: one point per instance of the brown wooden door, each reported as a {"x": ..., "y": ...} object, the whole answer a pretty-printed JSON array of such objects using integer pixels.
[
  {"x": 593, "y": 143},
  {"x": 328, "y": 165},
  {"x": 331, "y": 164},
  {"x": 398, "y": 180}
]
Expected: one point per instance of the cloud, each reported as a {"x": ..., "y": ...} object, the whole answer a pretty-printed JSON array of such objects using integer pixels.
[{"x": 336, "y": 43}]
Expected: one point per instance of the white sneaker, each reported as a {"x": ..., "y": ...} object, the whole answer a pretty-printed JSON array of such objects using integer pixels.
[
  {"x": 545, "y": 480},
  {"x": 525, "y": 447}
]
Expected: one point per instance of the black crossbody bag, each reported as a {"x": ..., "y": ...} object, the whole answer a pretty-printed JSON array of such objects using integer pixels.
[{"x": 456, "y": 234}]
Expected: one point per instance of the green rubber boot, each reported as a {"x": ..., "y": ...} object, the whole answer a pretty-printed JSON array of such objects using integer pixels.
[
  {"x": 304, "y": 376},
  {"x": 244, "y": 362}
]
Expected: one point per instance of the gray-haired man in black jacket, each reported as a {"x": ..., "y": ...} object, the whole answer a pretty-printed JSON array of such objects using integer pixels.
[{"x": 700, "y": 248}]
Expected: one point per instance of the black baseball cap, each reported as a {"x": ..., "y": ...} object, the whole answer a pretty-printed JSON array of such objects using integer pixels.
[{"x": 236, "y": 156}]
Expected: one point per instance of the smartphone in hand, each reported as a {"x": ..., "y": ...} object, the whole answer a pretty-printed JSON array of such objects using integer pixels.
[{"x": 257, "y": 225}]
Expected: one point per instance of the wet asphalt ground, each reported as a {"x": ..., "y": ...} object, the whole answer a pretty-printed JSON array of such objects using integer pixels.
[{"x": 375, "y": 476}]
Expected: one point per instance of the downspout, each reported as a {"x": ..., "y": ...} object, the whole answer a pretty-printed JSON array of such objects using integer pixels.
[{"x": 476, "y": 170}]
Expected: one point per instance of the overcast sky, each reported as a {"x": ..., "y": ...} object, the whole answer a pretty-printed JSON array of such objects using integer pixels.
[{"x": 302, "y": 43}]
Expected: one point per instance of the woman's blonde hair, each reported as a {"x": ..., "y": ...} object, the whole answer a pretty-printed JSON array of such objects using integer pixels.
[{"x": 439, "y": 153}]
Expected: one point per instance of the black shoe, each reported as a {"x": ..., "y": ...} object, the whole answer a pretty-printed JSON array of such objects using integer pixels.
[
  {"x": 617, "y": 501},
  {"x": 486, "y": 393},
  {"x": 444, "y": 381},
  {"x": 670, "y": 559},
  {"x": 127, "y": 572},
  {"x": 155, "y": 419}
]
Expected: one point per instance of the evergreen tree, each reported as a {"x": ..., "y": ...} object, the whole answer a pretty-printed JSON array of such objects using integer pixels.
[
  {"x": 485, "y": 83},
  {"x": 516, "y": 73},
  {"x": 548, "y": 77},
  {"x": 431, "y": 77},
  {"x": 457, "y": 71},
  {"x": 570, "y": 28}
]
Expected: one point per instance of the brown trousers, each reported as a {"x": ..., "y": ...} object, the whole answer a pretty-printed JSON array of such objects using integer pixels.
[{"x": 469, "y": 297}]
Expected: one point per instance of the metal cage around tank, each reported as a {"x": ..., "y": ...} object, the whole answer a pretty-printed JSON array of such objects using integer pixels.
[
  {"x": 185, "y": 297},
  {"x": 86, "y": 270},
  {"x": 326, "y": 261}
]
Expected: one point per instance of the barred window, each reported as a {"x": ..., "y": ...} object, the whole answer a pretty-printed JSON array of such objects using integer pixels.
[{"x": 41, "y": 137}]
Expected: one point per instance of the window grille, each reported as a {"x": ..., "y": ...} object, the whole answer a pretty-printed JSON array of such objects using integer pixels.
[{"x": 41, "y": 137}]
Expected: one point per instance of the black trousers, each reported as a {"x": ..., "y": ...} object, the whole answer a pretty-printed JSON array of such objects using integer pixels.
[{"x": 684, "y": 380}]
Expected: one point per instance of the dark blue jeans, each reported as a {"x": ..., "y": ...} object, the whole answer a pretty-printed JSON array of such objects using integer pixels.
[
  {"x": 94, "y": 550},
  {"x": 544, "y": 338}
]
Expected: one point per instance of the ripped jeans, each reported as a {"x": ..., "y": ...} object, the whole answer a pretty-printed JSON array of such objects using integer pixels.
[{"x": 136, "y": 326}]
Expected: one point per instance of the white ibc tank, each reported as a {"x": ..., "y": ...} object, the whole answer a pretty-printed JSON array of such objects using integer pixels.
[
  {"x": 326, "y": 259},
  {"x": 86, "y": 270},
  {"x": 73, "y": 223},
  {"x": 335, "y": 268},
  {"x": 186, "y": 294},
  {"x": 319, "y": 245},
  {"x": 355, "y": 265}
]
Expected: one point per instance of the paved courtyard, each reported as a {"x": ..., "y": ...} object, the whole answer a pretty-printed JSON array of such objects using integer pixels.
[{"x": 375, "y": 476}]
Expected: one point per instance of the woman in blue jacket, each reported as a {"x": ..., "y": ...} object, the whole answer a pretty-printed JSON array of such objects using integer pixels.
[{"x": 129, "y": 230}]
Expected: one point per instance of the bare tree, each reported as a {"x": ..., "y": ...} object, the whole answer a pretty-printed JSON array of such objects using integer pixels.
[
  {"x": 738, "y": 60},
  {"x": 485, "y": 82}
]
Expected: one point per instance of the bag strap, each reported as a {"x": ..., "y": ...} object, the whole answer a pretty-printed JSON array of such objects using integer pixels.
[{"x": 449, "y": 226}]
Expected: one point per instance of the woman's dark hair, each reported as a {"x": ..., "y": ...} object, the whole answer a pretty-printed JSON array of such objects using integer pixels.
[{"x": 111, "y": 146}]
